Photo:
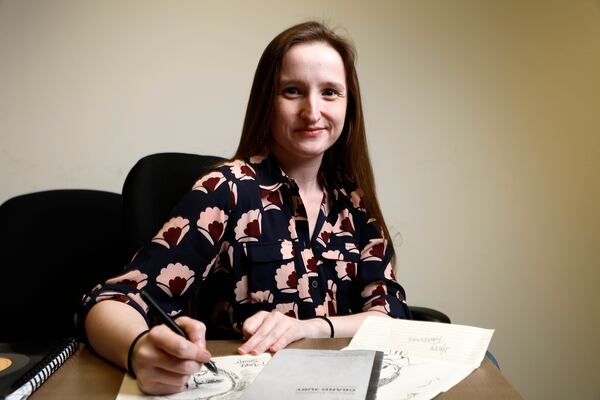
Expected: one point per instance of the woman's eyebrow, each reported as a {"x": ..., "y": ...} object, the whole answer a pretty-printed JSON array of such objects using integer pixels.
[
  {"x": 290, "y": 82},
  {"x": 327, "y": 84},
  {"x": 335, "y": 85}
]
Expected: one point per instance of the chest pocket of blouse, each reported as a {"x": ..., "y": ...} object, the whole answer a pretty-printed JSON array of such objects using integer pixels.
[
  {"x": 270, "y": 266},
  {"x": 338, "y": 271},
  {"x": 342, "y": 260}
]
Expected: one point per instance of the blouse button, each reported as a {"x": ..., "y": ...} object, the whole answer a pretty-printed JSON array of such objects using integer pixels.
[{"x": 315, "y": 284}]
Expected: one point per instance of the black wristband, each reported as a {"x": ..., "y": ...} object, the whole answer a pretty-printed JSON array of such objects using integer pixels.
[
  {"x": 330, "y": 324},
  {"x": 130, "y": 352}
]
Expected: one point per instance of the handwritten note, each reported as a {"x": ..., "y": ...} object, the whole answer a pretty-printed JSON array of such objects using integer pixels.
[
  {"x": 421, "y": 359},
  {"x": 235, "y": 374}
]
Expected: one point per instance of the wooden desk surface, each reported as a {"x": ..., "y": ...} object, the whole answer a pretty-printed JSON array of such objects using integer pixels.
[{"x": 87, "y": 376}]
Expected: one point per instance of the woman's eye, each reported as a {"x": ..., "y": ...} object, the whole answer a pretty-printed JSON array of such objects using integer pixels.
[
  {"x": 329, "y": 92},
  {"x": 291, "y": 91}
]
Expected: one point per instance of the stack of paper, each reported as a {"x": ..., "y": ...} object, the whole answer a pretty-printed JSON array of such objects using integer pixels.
[{"x": 421, "y": 359}]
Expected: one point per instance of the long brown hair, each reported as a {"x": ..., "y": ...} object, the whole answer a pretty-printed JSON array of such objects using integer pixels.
[{"x": 346, "y": 164}]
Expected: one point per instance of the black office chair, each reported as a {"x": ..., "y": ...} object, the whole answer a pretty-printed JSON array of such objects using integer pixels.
[
  {"x": 54, "y": 246},
  {"x": 154, "y": 185},
  {"x": 158, "y": 181}
]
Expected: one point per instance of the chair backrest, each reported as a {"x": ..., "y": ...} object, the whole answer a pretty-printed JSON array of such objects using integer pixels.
[
  {"x": 155, "y": 185},
  {"x": 54, "y": 246}
]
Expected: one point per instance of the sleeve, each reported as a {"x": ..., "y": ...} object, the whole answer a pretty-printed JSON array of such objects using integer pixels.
[
  {"x": 379, "y": 289},
  {"x": 178, "y": 258}
]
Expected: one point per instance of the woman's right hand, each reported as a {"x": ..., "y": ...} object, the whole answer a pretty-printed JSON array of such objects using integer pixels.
[{"x": 163, "y": 361}]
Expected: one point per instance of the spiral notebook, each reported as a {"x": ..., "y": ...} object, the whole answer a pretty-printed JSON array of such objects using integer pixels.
[{"x": 24, "y": 366}]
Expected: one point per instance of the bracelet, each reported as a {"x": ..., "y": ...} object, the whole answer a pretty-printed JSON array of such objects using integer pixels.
[
  {"x": 130, "y": 353},
  {"x": 330, "y": 324}
]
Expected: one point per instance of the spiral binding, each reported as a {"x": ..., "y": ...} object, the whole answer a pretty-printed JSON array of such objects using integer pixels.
[{"x": 31, "y": 381}]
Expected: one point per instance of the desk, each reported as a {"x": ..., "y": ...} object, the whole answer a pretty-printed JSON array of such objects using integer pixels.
[{"x": 87, "y": 376}]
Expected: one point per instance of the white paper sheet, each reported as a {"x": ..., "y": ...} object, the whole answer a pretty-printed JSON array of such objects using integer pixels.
[
  {"x": 421, "y": 359},
  {"x": 235, "y": 374}
]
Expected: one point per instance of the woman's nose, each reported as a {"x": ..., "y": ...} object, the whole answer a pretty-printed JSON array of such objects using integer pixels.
[{"x": 311, "y": 111}]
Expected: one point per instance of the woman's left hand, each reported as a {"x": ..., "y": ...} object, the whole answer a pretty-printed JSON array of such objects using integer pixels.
[{"x": 272, "y": 331}]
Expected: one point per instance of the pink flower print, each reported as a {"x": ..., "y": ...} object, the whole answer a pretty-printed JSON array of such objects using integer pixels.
[
  {"x": 377, "y": 304},
  {"x": 134, "y": 279},
  {"x": 241, "y": 170},
  {"x": 346, "y": 271},
  {"x": 321, "y": 309},
  {"x": 209, "y": 182},
  {"x": 248, "y": 227},
  {"x": 263, "y": 296},
  {"x": 356, "y": 197},
  {"x": 287, "y": 249},
  {"x": 330, "y": 298},
  {"x": 175, "y": 279},
  {"x": 310, "y": 262},
  {"x": 112, "y": 295},
  {"x": 172, "y": 232},
  {"x": 351, "y": 248},
  {"x": 304, "y": 289},
  {"x": 286, "y": 279},
  {"x": 344, "y": 225},
  {"x": 292, "y": 229},
  {"x": 374, "y": 289},
  {"x": 210, "y": 266},
  {"x": 270, "y": 188},
  {"x": 138, "y": 299},
  {"x": 325, "y": 234},
  {"x": 374, "y": 250},
  {"x": 87, "y": 298},
  {"x": 271, "y": 200},
  {"x": 333, "y": 255},
  {"x": 388, "y": 273},
  {"x": 289, "y": 309},
  {"x": 212, "y": 223},
  {"x": 241, "y": 290},
  {"x": 248, "y": 171},
  {"x": 232, "y": 194}
]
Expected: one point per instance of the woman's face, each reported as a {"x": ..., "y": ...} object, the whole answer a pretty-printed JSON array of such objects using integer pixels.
[{"x": 310, "y": 104}]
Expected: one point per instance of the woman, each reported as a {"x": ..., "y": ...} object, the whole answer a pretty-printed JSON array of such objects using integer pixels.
[{"x": 303, "y": 251}]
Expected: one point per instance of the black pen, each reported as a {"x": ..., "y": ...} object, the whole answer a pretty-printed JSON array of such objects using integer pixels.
[{"x": 171, "y": 324}]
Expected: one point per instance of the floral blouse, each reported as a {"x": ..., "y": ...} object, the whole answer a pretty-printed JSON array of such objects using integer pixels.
[{"x": 241, "y": 234}]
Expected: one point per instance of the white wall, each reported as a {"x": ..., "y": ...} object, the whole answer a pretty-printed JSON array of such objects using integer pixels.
[{"x": 482, "y": 118}]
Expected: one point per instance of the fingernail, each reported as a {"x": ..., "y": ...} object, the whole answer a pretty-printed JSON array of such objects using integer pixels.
[{"x": 241, "y": 351}]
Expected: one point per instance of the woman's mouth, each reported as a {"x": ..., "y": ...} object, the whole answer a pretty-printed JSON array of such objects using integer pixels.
[{"x": 311, "y": 132}]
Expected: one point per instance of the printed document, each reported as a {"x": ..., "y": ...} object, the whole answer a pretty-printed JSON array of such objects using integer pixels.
[{"x": 318, "y": 375}]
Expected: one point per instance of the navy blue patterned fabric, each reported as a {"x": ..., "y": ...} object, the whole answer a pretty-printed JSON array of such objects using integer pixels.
[{"x": 245, "y": 223}]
